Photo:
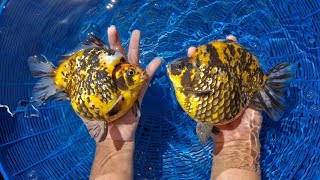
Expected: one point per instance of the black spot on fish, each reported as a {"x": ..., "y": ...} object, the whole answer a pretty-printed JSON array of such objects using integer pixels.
[
  {"x": 122, "y": 60},
  {"x": 121, "y": 83},
  {"x": 198, "y": 64},
  {"x": 227, "y": 55},
  {"x": 186, "y": 79},
  {"x": 115, "y": 110},
  {"x": 239, "y": 50},
  {"x": 101, "y": 75},
  {"x": 215, "y": 60},
  {"x": 110, "y": 52},
  {"x": 231, "y": 49}
]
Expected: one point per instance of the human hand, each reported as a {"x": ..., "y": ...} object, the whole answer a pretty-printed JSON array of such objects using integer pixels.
[
  {"x": 244, "y": 127},
  {"x": 237, "y": 146},
  {"x": 124, "y": 128}
]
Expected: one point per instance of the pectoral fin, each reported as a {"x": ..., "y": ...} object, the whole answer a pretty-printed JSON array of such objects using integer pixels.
[
  {"x": 116, "y": 107},
  {"x": 136, "y": 109},
  {"x": 98, "y": 130},
  {"x": 203, "y": 131},
  {"x": 198, "y": 92}
]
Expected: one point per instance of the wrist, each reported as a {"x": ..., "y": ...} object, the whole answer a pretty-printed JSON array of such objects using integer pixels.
[
  {"x": 113, "y": 144},
  {"x": 121, "y": 132},
  {"x": 109, "y": 158},
  {"x": 239, "y": 154},
  {"x": 120, "y": 138}
]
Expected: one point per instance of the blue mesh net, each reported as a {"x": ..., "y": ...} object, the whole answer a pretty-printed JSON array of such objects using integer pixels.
[{"x": 56, "y": 145}]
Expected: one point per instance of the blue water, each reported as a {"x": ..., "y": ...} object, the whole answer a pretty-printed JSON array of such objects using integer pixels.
[{"x": 56, "y": 145}]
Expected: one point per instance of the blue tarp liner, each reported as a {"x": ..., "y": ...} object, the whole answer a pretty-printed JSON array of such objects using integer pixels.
[{"x": 56, "y": 145}]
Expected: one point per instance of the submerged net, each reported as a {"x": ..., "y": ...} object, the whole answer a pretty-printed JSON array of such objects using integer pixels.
[{"x": 51, "y": 142}]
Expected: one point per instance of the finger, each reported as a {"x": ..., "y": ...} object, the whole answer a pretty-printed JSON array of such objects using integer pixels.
[
  {"x": 232, "y": 38},
  {"x": 114, "y": 40},
  {"x": 191, "y": 50},
  {"x": 151, "y": 69},
  {"x": 133, "y": 55}
]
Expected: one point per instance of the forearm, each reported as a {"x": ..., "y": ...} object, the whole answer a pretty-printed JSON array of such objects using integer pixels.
[
  {"x": 113, "y": 160},
  {"x": 240, "y": 159}
]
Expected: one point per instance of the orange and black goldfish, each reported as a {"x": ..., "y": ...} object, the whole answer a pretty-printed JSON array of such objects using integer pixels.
[
  {"x": 100, "y": 83},
  {"x": 216, "y": 84}
]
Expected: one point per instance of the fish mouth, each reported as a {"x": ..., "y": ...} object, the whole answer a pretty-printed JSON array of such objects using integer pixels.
[
  {"x": 168, "y": 66},
  {"x": 144, "y": 75}
]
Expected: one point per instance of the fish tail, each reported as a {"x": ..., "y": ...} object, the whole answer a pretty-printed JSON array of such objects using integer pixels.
[
  {"x": 45, "y": 86},
  {"x": 271, "y": 97}
]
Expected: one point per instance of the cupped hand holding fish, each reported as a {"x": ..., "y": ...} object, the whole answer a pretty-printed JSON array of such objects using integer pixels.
[
  {"x": 242, "y": 127},
  {"x": 114, "y": 155},
  {"x": 237, "y": 144},
  {"x": 124, "y": 128},
  {"x": 105, "y": 88}
]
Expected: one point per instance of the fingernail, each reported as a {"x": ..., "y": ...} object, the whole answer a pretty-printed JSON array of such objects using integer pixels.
[
  {"x": 160, "y": 58},
  {"x": 112, "y": 26}
]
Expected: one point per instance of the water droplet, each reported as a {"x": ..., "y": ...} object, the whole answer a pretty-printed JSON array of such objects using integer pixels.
[
  {"x": 157, "y": 5},
  {"x": 32, "y": 175},
  {"x": 311, "y": 95},
  {"x": 312, "y": 40},
  {"x": 315, "y": 110},
  {"x": 31, "y": 131}
]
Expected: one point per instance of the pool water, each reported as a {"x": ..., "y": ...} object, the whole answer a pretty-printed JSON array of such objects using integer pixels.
[{"x": 51, "y": 142}]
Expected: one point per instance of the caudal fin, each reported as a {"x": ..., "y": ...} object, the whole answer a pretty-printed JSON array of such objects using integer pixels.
[
  {"x": 271, "y": 97},
  {"x": 45, "y": 87}
]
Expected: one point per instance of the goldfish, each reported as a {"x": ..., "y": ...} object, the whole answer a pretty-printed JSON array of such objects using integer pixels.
[
  {"x": 100, "y": 83},
  {"x": 221, "y": 79}
]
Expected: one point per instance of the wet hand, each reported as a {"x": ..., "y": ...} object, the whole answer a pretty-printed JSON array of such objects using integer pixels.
[
  {"x": 246, "y": 127},
  {"x": 124, "y": 128}
]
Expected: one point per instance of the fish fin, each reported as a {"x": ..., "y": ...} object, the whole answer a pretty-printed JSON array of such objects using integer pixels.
[
  {"x": 64, "y": 57},
  {"x": 61, "y": 96},
  {"x": 40, "y": 67},
  {"x": 115, "y": 108},
  {"x": 136, "y": 109},
  {"x": 227, "y": 41},
  {"x": 45, "y": 87},
  {"x": 91, "y": 42},
  {"x": 203, "y": 130},
  {"x": 191, "y": 91},
  {"x": 270, "y": 99},
  {"x": 98, "y": 130}
]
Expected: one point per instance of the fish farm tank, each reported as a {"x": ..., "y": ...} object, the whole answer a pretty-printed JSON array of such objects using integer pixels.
[{"x": 51, "y": 141}]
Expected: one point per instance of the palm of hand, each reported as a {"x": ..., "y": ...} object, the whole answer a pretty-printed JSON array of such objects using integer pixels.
[{"x": 243, "y": 128}]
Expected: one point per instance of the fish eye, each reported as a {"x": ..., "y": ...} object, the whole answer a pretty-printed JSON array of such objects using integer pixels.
[
  {"x": 181, "y": 65},
  {"x": 130, "y": 72}
]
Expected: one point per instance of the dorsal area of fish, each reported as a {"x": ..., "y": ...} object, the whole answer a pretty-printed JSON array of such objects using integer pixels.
[{"x": 86, "y": 63}]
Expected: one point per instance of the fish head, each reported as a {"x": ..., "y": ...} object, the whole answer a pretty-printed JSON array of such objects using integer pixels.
[
  {"x": 181, "y": 72},
  {"x": 130, "y": 77}
]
